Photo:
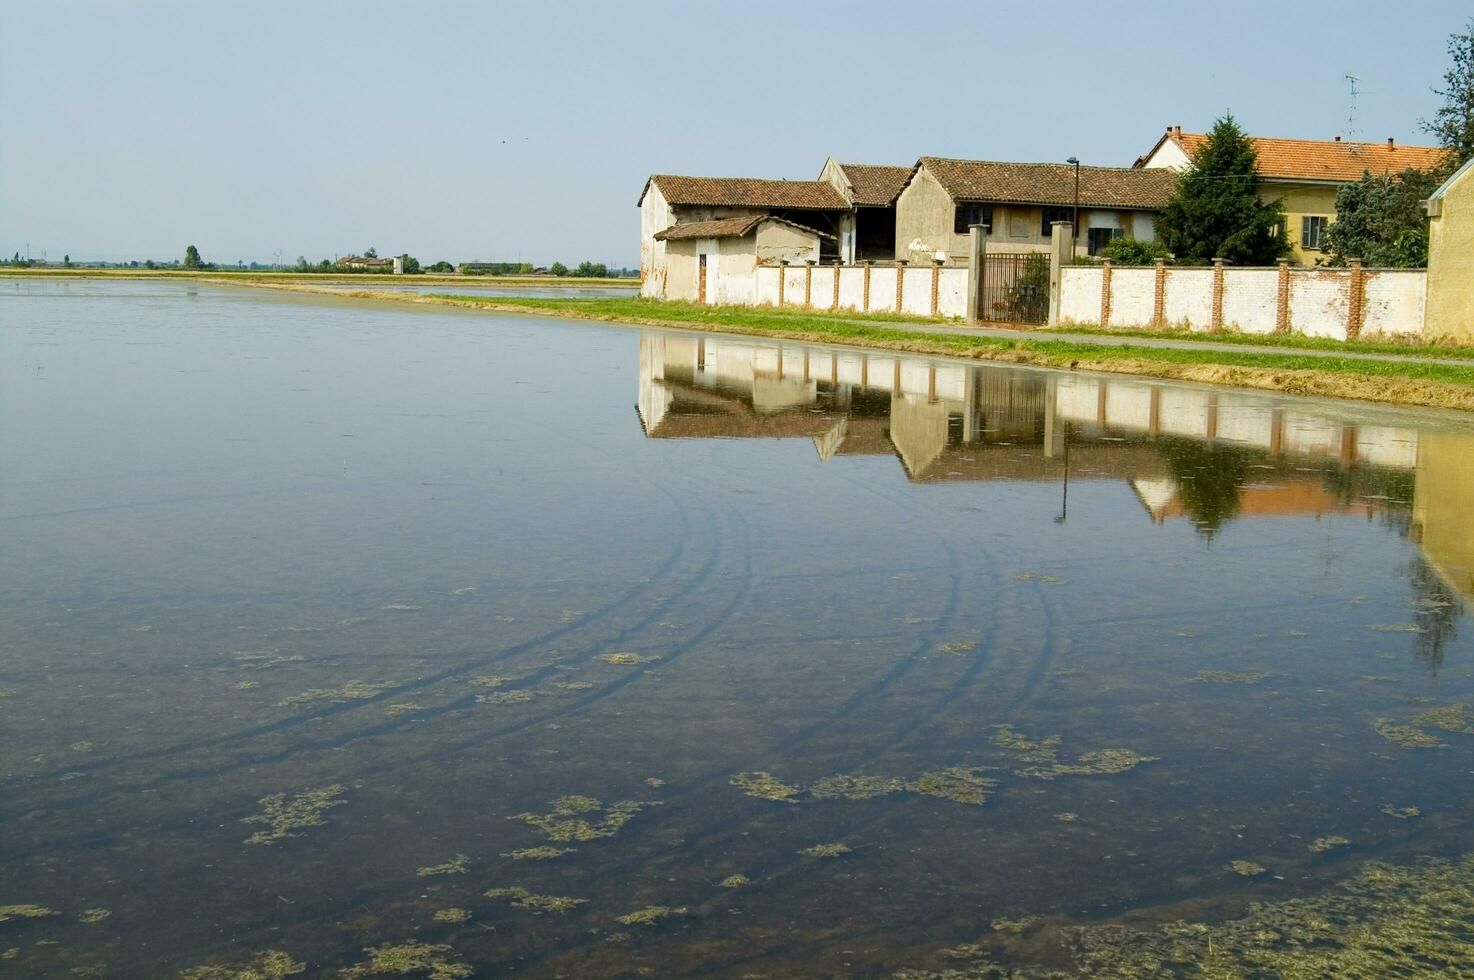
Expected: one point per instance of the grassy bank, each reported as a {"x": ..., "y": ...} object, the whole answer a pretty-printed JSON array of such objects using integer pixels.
[
  {"x": 363, "y": 278},
  {"x": 1293, "y": 341},
  {"x": 1395, "y": 382}
]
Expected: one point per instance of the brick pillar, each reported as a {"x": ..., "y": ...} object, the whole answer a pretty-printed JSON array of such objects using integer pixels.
[
  {"x": 1356, "y": 302},
  {"x": 1282, "y": 299},
  {"x": 1217, "y": 323},
  {"x": 900, "y": 282},
  {"x": 1105, "y": 294},
  {"x": 936, "y": 286},
  {"x": 782, "y": 278},
  {"x": 835, "y": 304},
  {"x": 808, "y": 283},
  {"x": 868, "y": 265},
  {"x": 1159, "y": 295}
]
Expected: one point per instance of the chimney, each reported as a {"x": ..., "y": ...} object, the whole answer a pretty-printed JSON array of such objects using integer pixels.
[
  {"x": 1389, "y": 143},
  {"x": 1177, "y": 132}
]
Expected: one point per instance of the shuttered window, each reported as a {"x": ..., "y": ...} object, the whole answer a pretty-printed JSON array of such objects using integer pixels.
[
  {"x": 1313, "y": 231},
  {"x": 972, "y": 214}
]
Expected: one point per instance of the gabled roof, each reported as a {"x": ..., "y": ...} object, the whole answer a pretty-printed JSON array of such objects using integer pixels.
[
  {"x": 1052, "y": 183},
  {"x": 728, "y": 228},
  {"x": 1453, "y": 178},
  {"x": 748, "y": 192},
  {"x": 1330, "y": 160},
  {"x": 875, "y": 186}
]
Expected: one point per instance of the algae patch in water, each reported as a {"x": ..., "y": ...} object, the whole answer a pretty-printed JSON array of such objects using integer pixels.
[
  {"x": 1105, "y": 762},
  {"x": 1039, "y": 577},
  {"x": 650, "y": 914},
  {"x": 405, "y": 958},
  {"x": 581, "y": 818},
  {"x": 1247, "y": 868},
  {"x": 524, "y": 899},
  {"x": 505, "y": 697},
  {"x": 957, "y": 647},
  {"x": 1322, "y": 844},
  {"x": 452, "y": 914},
  {"x": 1227, "y": 677},
  {"x": 8, "y": 912},
  {"x": 735, "y": 881},
  {"x": 1401, "y": 812},
  {"x": 765, "y": 786},
  {"x": 488, "y": 680},
  {"x": 457, "y": 865},
  {"x": 1452, "y": 718},
  {"x": 849, "y": 787},
  {"x": 538, "y": 853},
  {"x": 90, "y": 916},
  {"x": 960, "y": 784},
  {"x": 1407, "y": 736},
  {"x": 1032, "y": 749},
  {"x": 272, "y": 964},
  {"x": 573, "y": 686},
  {"x": 1016, "y": 926},
  {"x": 826, "y": 850},
  {"x": 625, "y": 658},
  {"x": 283, "y": 817},
  {"x": 352, "y": 691}
]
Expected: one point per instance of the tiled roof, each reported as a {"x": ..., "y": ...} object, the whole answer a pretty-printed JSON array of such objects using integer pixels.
[
  {"x": 1052, "y": 183},
  {"x": 876, "y": 186},
  {"x": 748, "y": 192},
  {"x": 1327, "y": 159},
  {"x": 727, "y": 228}
]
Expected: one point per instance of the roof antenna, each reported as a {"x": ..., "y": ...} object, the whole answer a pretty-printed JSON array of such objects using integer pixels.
[{"x": 1351, "y": 112}]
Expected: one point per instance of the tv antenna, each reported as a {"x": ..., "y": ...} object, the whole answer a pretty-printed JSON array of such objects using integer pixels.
[{"x": 1351, "y": 111}]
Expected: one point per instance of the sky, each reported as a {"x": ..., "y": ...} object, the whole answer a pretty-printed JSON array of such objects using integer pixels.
[{"x": 525, "y": 131}]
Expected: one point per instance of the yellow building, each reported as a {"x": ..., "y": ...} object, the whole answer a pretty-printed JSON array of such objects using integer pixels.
[
  {"x": 1449, "y": 311},
  {"x": 1304, "y": 174}
]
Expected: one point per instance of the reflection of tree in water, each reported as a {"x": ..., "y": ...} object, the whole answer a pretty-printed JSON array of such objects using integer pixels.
[
  {"x": 1209, "y": 478},
  {"x": 1437, "y": 609}
]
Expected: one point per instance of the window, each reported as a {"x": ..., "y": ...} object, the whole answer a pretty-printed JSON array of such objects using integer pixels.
[
  {"x": 1098, "y": 238},
  {"x": 1313, "y": 231},
  {"x": 972, "y": 214},
  {"x": 1051, "y": 215}
]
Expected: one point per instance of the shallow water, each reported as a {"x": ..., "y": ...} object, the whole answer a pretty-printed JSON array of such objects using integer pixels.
[{"x": 314, "y": 615}]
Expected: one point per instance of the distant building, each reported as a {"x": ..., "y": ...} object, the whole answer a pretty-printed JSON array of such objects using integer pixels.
[
  {"x": 365, "y": 262},
  {"x": 1450, "y": 303},
  {"x": 1305, "y": 174}
]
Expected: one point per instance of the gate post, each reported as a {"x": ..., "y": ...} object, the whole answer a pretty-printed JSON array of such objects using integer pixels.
[
  {"x": 977, "y": 245},
  {"x": 1061, "y": 254}
]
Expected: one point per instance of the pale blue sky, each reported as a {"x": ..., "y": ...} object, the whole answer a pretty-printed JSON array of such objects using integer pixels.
[{"x": 492, "y": 131}]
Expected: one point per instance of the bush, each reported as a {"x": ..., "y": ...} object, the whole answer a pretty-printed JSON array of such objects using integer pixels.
[{"x": 1133, "y": 251}]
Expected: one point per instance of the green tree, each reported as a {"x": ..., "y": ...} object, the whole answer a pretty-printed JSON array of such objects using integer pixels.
[
  {"x": 1133, "y": 251},
  {"x": 149, "y": 264},
  {"x": 411, "y": 264},
  {"x": 192, "y": 258},
  {"x": 1216, "y": 212},
  {"x": 66, "y": 260},
  {"x": 591, "y": 270},
  {"x": 1453, "y": 123},
  {"x": 1380, "y": 220},
  {"x": 558, "y": 269},
  {"x": 370, "y": 253}
]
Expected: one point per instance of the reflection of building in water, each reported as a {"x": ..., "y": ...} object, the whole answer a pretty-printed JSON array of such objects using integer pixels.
[{"x": 1194, "y": 453}]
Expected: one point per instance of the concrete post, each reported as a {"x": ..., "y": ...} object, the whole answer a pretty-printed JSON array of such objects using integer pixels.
[
  {"x": 782, "y": 278},
  {"x": 977, "y": 248},
  {"x": 1061, "y": 254}
]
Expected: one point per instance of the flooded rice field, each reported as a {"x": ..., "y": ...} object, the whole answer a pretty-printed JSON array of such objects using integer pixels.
[{"x": 341, "y": 640}]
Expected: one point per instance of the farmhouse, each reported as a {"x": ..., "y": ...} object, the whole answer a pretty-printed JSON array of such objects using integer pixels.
[
  {"x": 1450, "y": 309},
  {"x": 1304, "y": 174},
  {"x": 714, "y": 261},
  {"x": 365, "y": 262},
  {"x": 868, "y": 230}
]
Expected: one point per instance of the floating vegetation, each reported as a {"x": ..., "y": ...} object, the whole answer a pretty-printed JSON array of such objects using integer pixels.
[
  {"x": 89, "y": 916},
  {"x": 457, "y": 865},
  {"x": 1453, "y": 718},
  {"x": 573, "y": 686},
  {"x": 1038, "y": 577},
  {"x": 400, "y": 607},
  {"x": 489, "y": 680},
  {"x": 352, "y": 691},
  {"x": 1406, "y": 735},
  {"x": 403, "y": 958},
  {"x": 451, "y": 915},
  {"x": 1396, "y": 627},
  {"x": 579, "y": 818},
  {"x": 8, "y": 692},
  {"x": 262, "y": 660},
  {"x": 85, "y": 746},
  {"x": 1033, "y": 749},
  {"x": 10, "y": 953},
  {"x": 8, "y": 912},
  {"x": 524, "y": 899},
  {"x": 272, "y": 964},
  {"x": 1246, "y": 868},
  {"x": 1016, "y": 926},
  {"x": 654, "y": 782},
  {"x": 764, "y": 786},
  {"x": 505, "y": 697},
  {"x": 958, "y": 647},
  {"x": 1067, "y": 817},
  {"x": 960, "y": 784},
  {"x": 248, "y": 685},
  {"x": 1401, "y": 812},
  {"x": 1105, "y": 762},
  {"x": 1227, "y": 677},
  {"x": 625, "y": 658},
  {"x": 463, "y": 590},
  {"x": 405, "y": 707},
  {"x": 284, "y": 817},
  {"x": 851, "y": 787},
  {"x": 539, "y": 853},
  {"x": 735, "y": 881},
  {"x": 826, "y": 850},
  {"x": 650, "y": 914},
  {"x": 1322, "y": 844}
]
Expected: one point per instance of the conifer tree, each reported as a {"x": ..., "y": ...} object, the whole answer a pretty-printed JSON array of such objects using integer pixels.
[{"x": 1216, "y": 211}]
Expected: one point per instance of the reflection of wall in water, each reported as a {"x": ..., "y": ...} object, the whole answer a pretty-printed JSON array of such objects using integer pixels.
[{"x": 1443, "y": 506}]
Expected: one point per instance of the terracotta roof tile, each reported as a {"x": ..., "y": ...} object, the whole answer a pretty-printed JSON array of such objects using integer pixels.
[
  {"x": 876, "y": 186},
  {"x": 1290, "y": 159},
  {"x": 1052, "y": 183},
  {"x": 727, "y": 228},
  {"x": 749, "y": 192}
]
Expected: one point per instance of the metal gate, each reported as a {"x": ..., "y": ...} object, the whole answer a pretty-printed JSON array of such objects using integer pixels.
[{"x": 1015, "y": 287}]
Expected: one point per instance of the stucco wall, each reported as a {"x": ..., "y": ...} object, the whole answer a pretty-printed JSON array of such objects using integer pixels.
[
  {"x": 1250, "y": 299},
  {"x": 951, "y": 289},
  {"x": 777, "y": 241},
  {"x": 1133, "y": 295},
  {"x": 655, "y": 215},
  {"x": 1188, "y": 301},
  {"x": 1450, "y": 304},
  {"x": 1301, "y": 199},
  {"x": 1394, "y": 301},
  {"x": 925, "y": 212}
]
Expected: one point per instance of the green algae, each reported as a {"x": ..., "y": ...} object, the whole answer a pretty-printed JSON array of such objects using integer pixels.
[
  {"x": 1104, "y": 762},
  {"x": 90, "y": 916},
  {"x": 457, "y": 865},
  {"x": 524, "y": 899},
  {"x": 583, "y": 818},
  {"x": 826, "y": 850},
  {"x": 352, "y": 691},
  {"x": 1247, "y": 868},
  {"x": 1395, "y": 627},
  {"x": 1322, "y": 844},
  {"x": 654, "y": 782},
  {"x": 270, "y": 964},
  {"x": 1039, "y": 577},
  {"x": 625, "y": 658},
  {"x": 1451, "y": 718},
  {"x": 411, "y": 957},
  {"x": 1407, "y": 736},
  {"x": 8, "y": 912},
  {"x": 538, "y": 853},
  {"x": 1016, "y": 926},
  {"x": 765, "y": 786},
  {"x": 1067, "y": 817},
  {"x": 1227, "y": 677},
  {"x": 284, "y": 817},
  {"x": 852, "y": 787},
  {"x": 405, "y": 707},
  {"x": 505, "y": 697},
  {"x": 266, "y": 659},
  {"x": 452, "y": 914},
  {"x": 574, "y": 686},
  {"x": 1401, "y": 812},
  {"x": 488, "y": 680},
  {"x": 650, "y": 915},
  {"x": 735, "y": 881},
  {"x": 1032, "y": 749},
  {"x": 957, "y": 647},
  {"x": 960, "y": 784}
]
